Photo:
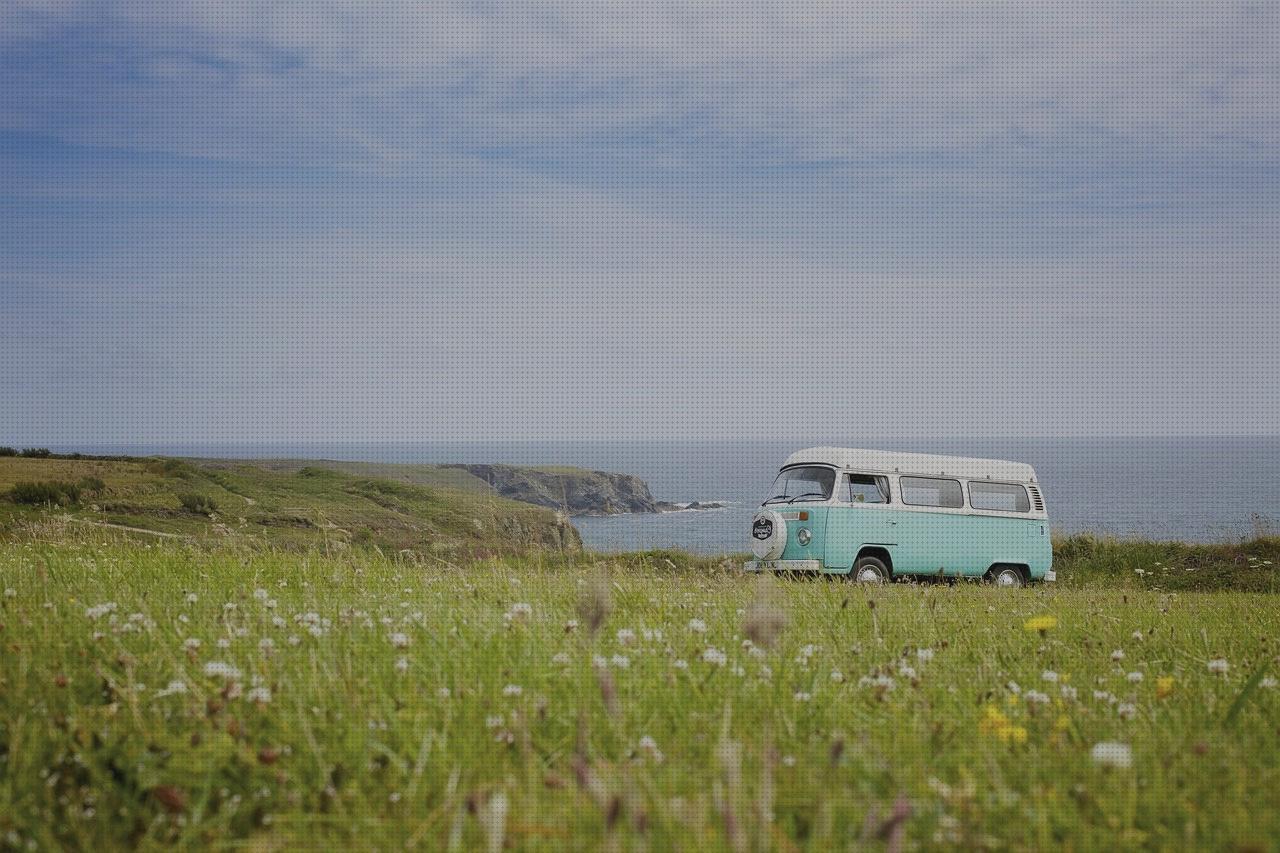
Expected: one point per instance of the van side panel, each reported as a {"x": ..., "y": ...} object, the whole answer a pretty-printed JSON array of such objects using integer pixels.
[
  {"x": 928, "y": 543},
  {"x": 849, "y": 528}
]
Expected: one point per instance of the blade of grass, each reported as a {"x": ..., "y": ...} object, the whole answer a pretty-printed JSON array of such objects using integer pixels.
[{"x": 1249, "y": 687}]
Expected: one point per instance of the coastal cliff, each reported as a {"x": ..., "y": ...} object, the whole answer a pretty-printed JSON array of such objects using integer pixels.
[{"x": 575, "y": 490}]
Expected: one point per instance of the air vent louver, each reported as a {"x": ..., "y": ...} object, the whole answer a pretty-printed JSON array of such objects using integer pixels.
[{"x": 1036, "y": 500}]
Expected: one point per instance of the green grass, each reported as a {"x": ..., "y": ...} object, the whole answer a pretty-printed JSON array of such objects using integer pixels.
[{"x": 364, "y": 745}]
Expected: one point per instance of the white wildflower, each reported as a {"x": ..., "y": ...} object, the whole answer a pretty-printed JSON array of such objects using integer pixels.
[
  {"x": 680, "y": 664},
  {"x": 837, "y": 676},
  {"x": 626, "y": 636},
  {"x": 99, "y": 610},
  {"x": 261, "y": 594},
  {"x": 600, "y": 662},
  {"x": 1134, "y": 677},
  {"x": 697, "y": 626},
  {"x": 10, "y": 592},
  {"x": 924, "y": 655},
  {"x": 191, "y": 644},
  {"x": 1219, "y": 666},
  {"x": 803, "y": 696},
  {"x": 293, "y": 640},
  {"x": 620, "y": 661},
  {"x": 1117, "y": 655},
  {"x": 714, "y": 656},
  {"x": 907, "y": 672},
  {"x": 1049, "y": 676},
  {"x": 399, "y": 640},
  {"x": 1127, "y": 710},
  {"x": 402, "y": 664},
  {"x": 192, "y": 598},
  {"x": 649, "y": 746},
  {"x": 175, "y": 687},
  {"x": 560, "y": 659},
  {"x": 512, "y": 690},
  {"x": 1110, "y": 754},
  {"x": 260, "y": 695},
  {"x": 1069, "y": 693},
  {"x": 1035, "y": 697},
  {"x": 218, "y": 669},
  {"x": 493, "y": 722},
  {"x": 266, "y": 645}
]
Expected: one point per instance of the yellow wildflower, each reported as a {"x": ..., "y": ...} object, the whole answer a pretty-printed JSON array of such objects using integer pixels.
[
  {"x": 1041, "y": 623},
  {"x": 1164, "y": 686}
]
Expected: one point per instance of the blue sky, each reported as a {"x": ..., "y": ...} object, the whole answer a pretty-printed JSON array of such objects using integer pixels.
[{"x": 402, "y": 221}]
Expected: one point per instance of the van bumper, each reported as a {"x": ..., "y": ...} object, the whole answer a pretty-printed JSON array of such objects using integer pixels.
[{"x": 782, "y": 566}]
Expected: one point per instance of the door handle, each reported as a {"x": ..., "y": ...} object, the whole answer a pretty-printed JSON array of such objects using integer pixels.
[{"x": 891, "y": 521}]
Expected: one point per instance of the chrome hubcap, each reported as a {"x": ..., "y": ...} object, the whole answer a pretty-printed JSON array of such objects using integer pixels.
[
  {"x": 869, "y": 576},
  {"x": 1007, "y": 579}
]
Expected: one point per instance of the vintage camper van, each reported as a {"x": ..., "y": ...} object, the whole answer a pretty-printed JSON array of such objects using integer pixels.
[{"x": 876, "y": 515}]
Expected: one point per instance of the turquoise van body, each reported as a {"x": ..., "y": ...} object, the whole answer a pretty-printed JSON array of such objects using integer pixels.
[{"x": 994, "y": 518}]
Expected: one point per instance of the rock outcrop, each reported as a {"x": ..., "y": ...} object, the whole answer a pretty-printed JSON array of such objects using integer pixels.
[{"x": 573, "y": 490}]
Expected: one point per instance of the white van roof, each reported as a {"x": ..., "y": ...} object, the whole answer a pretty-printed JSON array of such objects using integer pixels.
[{"x": 889, "y": 462}]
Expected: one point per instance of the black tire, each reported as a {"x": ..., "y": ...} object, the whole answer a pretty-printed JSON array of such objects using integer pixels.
[
  {"x": 1009, "y": 577},
  {"x": 870, "y": 570}
]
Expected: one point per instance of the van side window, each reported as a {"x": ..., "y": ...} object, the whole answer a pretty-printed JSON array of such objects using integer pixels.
[
  {"x": 1003, "y": 497},
  {"x": 931, "y": 491},
  {"x": 865, "y": 489}
]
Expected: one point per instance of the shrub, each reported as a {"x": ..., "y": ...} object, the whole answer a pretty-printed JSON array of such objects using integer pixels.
[
  {"x": 36, "y": 452},
  {"x": 51, "y": 492},
  {"x": 197, "y": 503},
  {"x": 92, "y": 485},
  {"x": 8, "y": 451}
]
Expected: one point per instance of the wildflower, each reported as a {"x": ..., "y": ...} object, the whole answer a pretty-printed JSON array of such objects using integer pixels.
[
  {"x": 1117, "y": 655},
  {"x": 626, "y": 636},
  {"x": 1219, "y": 666},
  {"x": 788, "y": 761},
  {"x": 1127, "y": 711},
  {"x": 259, "y": 695},
  {"x": 995, "y": 723},
  {"x": 600, "y": 662},
  {"x": 10, "y": 592},
  {"x": 1134, "y": 677},
  {"x": 1137, "y": 636},
  {"x": 223, "y": 643},
  {"x": 697, "y": 626},
  {"x": 680, "y": 664},
  {"x": 1164, "y": 686},
  {"x": 1049, "y": 676},
  {"x": 924, "y": 655},
  {"x": 218, "y": 669},
  {"x": 1013, "y": 688},
  {"x": 512, "y": 690},
  {"x": 266, "y": 645},
  {"x": 1035, "y": 697},
  {"x": 191, "y": 644},
  {"x": 444, "y": 693},
  {"x": 571, "y": 626},
  {"x": 1110, "y": 754},
  {"x": 1041, "y": 624},
  {"x": 293, "y": 640},
  {"x": 620, "y": 661},
  {"x": 649, "y": 746},
  {"x": 175, "y": 687},
  {"x": 261, "y": 594},
  {"x": 229, "y": 607},
  {"x": 714, "y": 656},
  {"x": 560, "y": 659},
  {"x": 99, "y": 610},
  {"x": 803, "y": 696},
  {"x": 519, "y": 612},
  {"x": 837, "y": 676},
  {"x": 192, "y": 598},
  {"x": 492, "y": 722},
  {"x": 399, "y": 640},
  {"x": 1069, "y": 693},
  {"x": 1268, "y": 682}
]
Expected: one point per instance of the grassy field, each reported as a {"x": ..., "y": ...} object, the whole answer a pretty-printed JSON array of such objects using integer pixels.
[{"x": 159, "y": 694}]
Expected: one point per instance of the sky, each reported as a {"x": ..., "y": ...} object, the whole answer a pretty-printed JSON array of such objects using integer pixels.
[{"x": 252, "y": 221}]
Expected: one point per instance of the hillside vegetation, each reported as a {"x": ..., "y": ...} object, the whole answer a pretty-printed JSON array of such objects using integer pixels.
[{"x": 303, "y": 507}]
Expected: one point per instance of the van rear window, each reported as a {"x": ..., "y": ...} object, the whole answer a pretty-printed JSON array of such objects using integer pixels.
[
  {"x": 1002, "y": 497},
  {"x": 932, "y": 491}
]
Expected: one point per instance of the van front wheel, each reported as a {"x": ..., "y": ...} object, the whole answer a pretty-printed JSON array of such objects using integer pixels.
[
  {"x": 870, "y": 570},
  {"x": 1006, "y": 576}
]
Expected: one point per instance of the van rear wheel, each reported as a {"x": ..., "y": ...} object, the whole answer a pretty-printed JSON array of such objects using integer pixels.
[
  {"x": 1006, "y": 576},
  {"x": 870, "y": 570}
]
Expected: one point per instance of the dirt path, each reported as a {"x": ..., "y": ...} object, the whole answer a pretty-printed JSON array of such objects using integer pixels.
[{"x": 128, "y": 529}]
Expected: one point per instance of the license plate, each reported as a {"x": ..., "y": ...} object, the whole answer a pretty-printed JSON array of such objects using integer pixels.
[{"x": 1051, "y": 576}]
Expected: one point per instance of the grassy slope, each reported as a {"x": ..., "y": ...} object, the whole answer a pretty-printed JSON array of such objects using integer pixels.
[
  {"x": 353, "y": 752},
  {"x": 302, "y": 507}
]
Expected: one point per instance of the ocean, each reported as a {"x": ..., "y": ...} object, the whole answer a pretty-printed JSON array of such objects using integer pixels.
[{"x": 1188, "y": 489}]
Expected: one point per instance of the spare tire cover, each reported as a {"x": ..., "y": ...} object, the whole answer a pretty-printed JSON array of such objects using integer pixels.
[{"x": 768, "y": 534}]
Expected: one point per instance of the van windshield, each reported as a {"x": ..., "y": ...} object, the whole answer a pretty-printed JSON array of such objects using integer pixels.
[{"x": 811, "y": 482}]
